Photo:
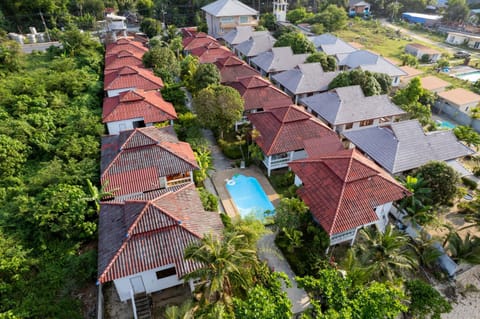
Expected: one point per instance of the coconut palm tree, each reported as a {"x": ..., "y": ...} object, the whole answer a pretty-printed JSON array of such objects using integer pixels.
[
  {"x": 389, "y": 254},
  {"x": 96, "y": 195},
  {"x": 356, "y": 272},
  {"x": 184, "y": 311},
  {"x": 228, "y": 265},
  {"x": 464, "y": 250}
]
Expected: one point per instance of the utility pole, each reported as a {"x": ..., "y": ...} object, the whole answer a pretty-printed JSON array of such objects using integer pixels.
[{"x": 45, "y": 26}]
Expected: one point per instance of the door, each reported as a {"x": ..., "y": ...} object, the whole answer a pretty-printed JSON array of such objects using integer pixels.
[{"x": 137, "y": 285}]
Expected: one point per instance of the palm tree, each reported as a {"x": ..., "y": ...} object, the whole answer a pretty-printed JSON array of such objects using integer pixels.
[
  {"x": 417, "y": 186},
  {"x": 97, "y": 195},
  {"x": 227, "y": 269},
  {"x": 356, "y": 272},
  {"x": 426, "y": 251},
  {"x": 204, "y": 161},
  {"x": 389, "y": 254},
  {"x": 464, "y": 250},
  {"x": 185, "y": 311}
]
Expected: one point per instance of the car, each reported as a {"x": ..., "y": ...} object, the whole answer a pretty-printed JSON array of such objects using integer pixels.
[{"x": 461, "y": 54}]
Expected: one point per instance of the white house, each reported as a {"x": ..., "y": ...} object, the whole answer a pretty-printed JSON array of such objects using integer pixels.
[{"x": 224, "y": 15}]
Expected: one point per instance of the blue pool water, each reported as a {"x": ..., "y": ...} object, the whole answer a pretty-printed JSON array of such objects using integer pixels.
[
  {"x": 469, "y": 76},
  {"x": 445, "y": 125},
  {"x": 248, "y": 196}
]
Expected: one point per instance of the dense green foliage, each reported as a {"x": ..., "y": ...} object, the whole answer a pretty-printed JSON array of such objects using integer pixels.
[
  {"x": 425, "y": 301},
  {"x": 164, "y": 63},
  {"x": 206, "y": 74},
  {"x": 49, "y": 147},
  {"x": 150, "y": 27},
  {"x": 370, "y": 82},
  {"x": 441, "y": 179},
  {"x": 468, "y": 135},
  {"x": 416, "y": 101},
  {"x": 297, "y": 41},
  {"x": 329, "y": 63}
]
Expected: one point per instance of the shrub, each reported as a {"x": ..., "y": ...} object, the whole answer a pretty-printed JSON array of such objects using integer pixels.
[
  {"x": 476, "y": 171},
  {"x": 232, "y": 150},
  {"x": 469, "y": 183},
  {"x": 282, "y": 180},
  {"x": 209, "y": 201}
]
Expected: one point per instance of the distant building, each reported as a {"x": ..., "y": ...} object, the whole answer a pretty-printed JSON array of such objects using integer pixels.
[
  {"x": 358, "y": 7},
  {"x": 457, "y": 38},
  {"x": 419, "y": 51},
  {"x": 280, "y": 10},
  {"x": 224, "y": 15},
  {"x": 421, "y": 18}
]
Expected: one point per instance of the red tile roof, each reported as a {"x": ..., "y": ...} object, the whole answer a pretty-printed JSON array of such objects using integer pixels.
[
  {"x": 211, "y": 52},
  {"x": 148, "y": 105},
  {"x": 232, "y": 68},
  {"x": 343, "y": 188},
  {"x": 125, "y": 45},
  {"x": 259, "y": 93},
  {"x": 285, "y": 129},
  {"x": 132, "y": 77},
  {"x": 123, "y": 58},
  {"x": 138, "y": 236},
  {"x": 196, "y": 41},
  {"x": 134, "y": 161}
]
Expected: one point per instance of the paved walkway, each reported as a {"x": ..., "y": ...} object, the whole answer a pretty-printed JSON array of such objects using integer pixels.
[{"x": 269, "y": 252}]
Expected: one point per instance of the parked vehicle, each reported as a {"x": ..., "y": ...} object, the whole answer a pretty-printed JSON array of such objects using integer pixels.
[{"x": 461, "y": 54}]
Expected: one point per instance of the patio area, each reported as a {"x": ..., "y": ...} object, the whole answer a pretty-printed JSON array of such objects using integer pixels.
[{"x": 219, "y": 181}]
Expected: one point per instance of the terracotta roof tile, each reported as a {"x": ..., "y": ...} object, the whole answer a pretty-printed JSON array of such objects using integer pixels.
[
  {"x": 134, "y": 161},
  {"x": 137, "y": 236},
  {"x": 198, "y": 40},
  {"x": 285, "y": 129},
  {"x": 125, "y": 45},
  {"x": 121, "y": 59},
  {"x": 259, "y": 93},
  {"x": 132, "y": 77},
  {"x": 211, "y": 52},
  {"x": 148, "y": 105},
  {"x": 231, "y": 68},
  {"x": 343, "y": 188}
]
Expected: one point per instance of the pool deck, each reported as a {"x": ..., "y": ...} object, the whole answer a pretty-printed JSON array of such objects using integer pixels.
[{"x": 220, "y": 177}]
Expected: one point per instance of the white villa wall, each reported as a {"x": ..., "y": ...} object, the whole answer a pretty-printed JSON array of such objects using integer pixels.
[
  {"x": 116, "y": 92},
  {"x": 150, "y": 281},
  {"x": 114, "y": 128},
  {"x": 382, "y": 213}
]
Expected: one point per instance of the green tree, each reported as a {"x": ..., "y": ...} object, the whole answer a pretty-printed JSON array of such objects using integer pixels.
[
  {"x": 268, "y": 20},
  {"x": 365, "y": 79},
  {"x": 297, "y": 41},
  {"x": 227, "y": 268},
  {"x": 468, "y": 135},
  {"x": 425, "y": 301},
  {"x": 289, "y": 213},
  {"x": 184, "y": 311},
  {"x": 408, "y": 59},
  {"x": 163, "y": 62},
  {"x": 297, "y": 15},
  {"x": 389, "y": 254},
  {"x": 13, "y": 154},
  {"x": 317, "y": 28},
  {"x": 465, "y": 249},
  {"x": 204, "y": 161},
  {"x": 457, "y": 11},
  {"x": 441, "y": 179},
  {"x": 329, "y": 63},
  {"x": 206, "y": 74},
  {"x": 419, "y": 198},
  {"x": 416, "y": 101},
  {"x": 10, "y": 56},
  {"x": 188, "y": 68},
  {"x": 145, "y": 8},
  {"x": 333, "y": 18},
  {"x": 218, "y": 107},
  {"x": 151, "y": 27}
]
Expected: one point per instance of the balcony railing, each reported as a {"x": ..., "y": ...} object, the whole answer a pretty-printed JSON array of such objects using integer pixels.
[
  {"x": 277, "y": 163},
  {"x": 178, "y": 181}
]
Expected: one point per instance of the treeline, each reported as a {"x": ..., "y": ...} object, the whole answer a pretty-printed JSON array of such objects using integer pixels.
[{"x": 49, "y": 147}]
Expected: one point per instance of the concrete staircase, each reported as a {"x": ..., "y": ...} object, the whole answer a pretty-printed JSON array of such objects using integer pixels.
[{"x": 142, "y": 304}]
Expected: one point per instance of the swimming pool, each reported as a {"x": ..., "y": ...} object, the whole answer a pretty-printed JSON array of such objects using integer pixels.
[
  {"x": 445, "y": 125},
  {"x": 248, "y": 196},
  {"x": 469, "y": 76}
]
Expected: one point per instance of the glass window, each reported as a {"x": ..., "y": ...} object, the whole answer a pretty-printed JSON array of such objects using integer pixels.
[
  {"x": 244, "y": 19},
  {"x": 166, "y": 273},
  {"x": 227, "y": 19}
]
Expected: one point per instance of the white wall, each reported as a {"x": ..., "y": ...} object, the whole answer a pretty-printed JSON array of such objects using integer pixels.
[
  {"x": 114, "y": 128},
  {"x": 382, "y": 213},
  {"x": 150, "y": 282},
  {"x": 111, "y": 93},
  {"x": 456, "y": 39}
]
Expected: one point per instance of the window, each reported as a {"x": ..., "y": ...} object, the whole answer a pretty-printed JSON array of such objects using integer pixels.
[
  {"x": 244, "y": 19},
  {"x": 137, "y": 124},
  {"x": 226, "y": 19},
  {"x": 166, "y": 273},
  {"x": 348, "y": 126},
  {"x": 366, "y": 122}
]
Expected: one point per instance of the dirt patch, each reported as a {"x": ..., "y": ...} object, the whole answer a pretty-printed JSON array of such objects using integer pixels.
[
  {"x": 88, "y": 297},
  {"x": 114, "y": 308},
  {"x": 467, "y": 288}
]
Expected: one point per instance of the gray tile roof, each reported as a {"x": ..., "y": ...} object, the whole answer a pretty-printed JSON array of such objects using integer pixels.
[
  {"x": 306, "y": 78},
  {"x": 349, "y": 104},
  {"x": 229, "y": 8},
  {"x": 279, "y": 59},
  {"x": 368, "y": 61},
  {"x": 259, "y": 42},
  {"x": 403, "y": 146},
  {"x": 238, "y": 35},
  {"x": 330, "y": 44}
]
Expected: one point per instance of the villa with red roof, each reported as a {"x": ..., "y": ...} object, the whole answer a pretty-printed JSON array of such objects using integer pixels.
[
  {"x": 133, "y": 109},
  {"x": 231, "y": 68},
  {"x": 259, "y": 94},
  {"x": 123, "y": 58},
  {"x": 282, "y": 132},
  {"x": 125, "y": 45},
  {"x": 210, "y": 53},
  {"x": 345, "y": 191},
  {"x": 145, "y": 160},
  {"x": 197, "y": 40},
  {"x": 141, "y": 243},
  {"x": 129, "y": 78}
]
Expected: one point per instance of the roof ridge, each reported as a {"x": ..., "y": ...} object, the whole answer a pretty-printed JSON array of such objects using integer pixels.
[
  {"x": 179, "y": 221},
  {"x": 177, "y": 155}
]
